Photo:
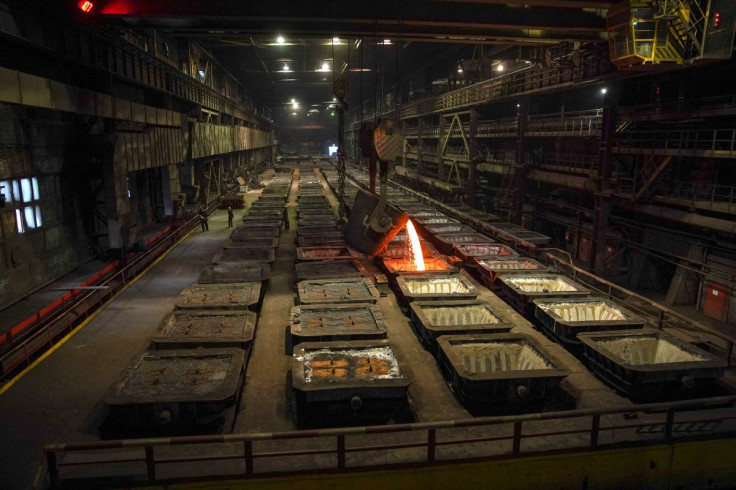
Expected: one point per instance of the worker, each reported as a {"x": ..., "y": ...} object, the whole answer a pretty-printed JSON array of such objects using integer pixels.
[
  {"x": 285, "y": 216},
  {"x": 203, "y": 219},
  {"x": 229, "y": 217}
]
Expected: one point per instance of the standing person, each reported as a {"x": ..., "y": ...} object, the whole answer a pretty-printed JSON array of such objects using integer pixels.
[
  {"x": 203, "y": 219},
  {"x": 229, "y": 217},
  {"x": 285, "y": 215}
]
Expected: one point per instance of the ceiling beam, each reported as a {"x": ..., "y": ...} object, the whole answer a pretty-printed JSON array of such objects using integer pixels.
[{"x": 406, "y": 19}]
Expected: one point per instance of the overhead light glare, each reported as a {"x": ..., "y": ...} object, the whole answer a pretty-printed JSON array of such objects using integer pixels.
[
  {"x": 86, "y": 6},
  {"x": 604, "y": 90},
  {"x": 500, "y": 67},
  {"x": 286, "y": 67},
  {"x": 280, "y": 40}
]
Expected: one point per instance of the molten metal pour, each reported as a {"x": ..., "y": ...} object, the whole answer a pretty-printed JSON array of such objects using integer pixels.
[{"x": 415, "y": 247}]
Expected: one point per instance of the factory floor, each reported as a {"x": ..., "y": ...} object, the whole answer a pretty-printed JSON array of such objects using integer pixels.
[
  {"x": 13, "y": 314},
  {"x": 60, "y": 399}
]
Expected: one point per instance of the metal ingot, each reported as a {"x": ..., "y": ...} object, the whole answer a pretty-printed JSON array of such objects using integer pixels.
[
  {"x": 491, "y": 267},
  {"x": 435, "y": 318},
  {"x": 521, "y": 289},
  {"x": 345, "y": 383},
  {"x": 324, "y": 253},
  {"x": 468, "y": 251},
  {"x": 251, "y": 242},
  {"x": 330, "y": 270},
  {"x": 498, "y": 369},
  {"x": 436, "y": 287},
  {"x": 206, "y": 328},
  {"x": 349, "y": 290},
  {"x": 177, "y": 388},
  {"x": 402, "y": 265},
  {"x": 243, "y": 254},
  {"x": 235, "y": 272},
  {"x": 648, "y": 364},
  {"x": 234, "y": 296},
  {"x": 333, "y": 322},
  {"x": 565, "y": 318}
]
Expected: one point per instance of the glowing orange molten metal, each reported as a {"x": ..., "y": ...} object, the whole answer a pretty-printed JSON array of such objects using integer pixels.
[{"x": 414, "y": 246}]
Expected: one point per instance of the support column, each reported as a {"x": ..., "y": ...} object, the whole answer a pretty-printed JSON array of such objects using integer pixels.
[
  {"x": 603, "y": 193},
  {"x": 472, "y": 182},
  {"x": 441, "y": 150},
  {"x": 420, "y": 146},
  {"x": 519, "y": 181}
]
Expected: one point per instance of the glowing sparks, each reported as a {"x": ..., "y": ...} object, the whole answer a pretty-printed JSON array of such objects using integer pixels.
[{"x": 414, "y": 246}]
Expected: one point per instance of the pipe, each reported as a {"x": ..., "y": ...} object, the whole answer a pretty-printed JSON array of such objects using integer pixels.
[
  {"x": 562, "y": 180},
  {"x": 553, "y": 178},
  {"x": 683, "y": 217}
]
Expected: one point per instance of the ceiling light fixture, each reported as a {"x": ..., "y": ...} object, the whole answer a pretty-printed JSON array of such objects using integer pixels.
[
  {"x": 604, "y": 90},
  {"x": 459, "y": 69},
  {"x": 286, "y": 67},
  {"x": 499, "y": 68},
  {"x": 280, "y": 40},
  {"x": 325, "y": 66}
]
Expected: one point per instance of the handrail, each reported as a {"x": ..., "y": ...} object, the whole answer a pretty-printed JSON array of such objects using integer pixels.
[
  {"x": 657, "y": 414},
  {"x": 47, "y": 331}
]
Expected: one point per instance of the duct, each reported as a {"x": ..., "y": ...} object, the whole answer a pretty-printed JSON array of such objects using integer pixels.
[
  {"x": 552, "y": 178},
  {"x": 684, "y": 217},
  {"x": 562, "y": 180}
]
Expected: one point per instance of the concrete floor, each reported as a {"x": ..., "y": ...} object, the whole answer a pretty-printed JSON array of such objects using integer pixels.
[{"x": 61, "y": 398}]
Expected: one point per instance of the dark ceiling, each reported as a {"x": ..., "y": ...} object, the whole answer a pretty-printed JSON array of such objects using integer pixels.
[{"x": 284, "y": 49}]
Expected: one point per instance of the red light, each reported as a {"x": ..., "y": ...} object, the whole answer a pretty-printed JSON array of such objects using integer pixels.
[
  {"x": 716, "y": 19},
  {"x": 86, "y": 6}
]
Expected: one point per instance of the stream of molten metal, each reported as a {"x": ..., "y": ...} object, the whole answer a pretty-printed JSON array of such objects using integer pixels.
[{"x": 415, "y": 246}]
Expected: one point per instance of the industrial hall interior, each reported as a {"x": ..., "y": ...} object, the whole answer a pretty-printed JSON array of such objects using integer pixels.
[{"x": 416, "y": 244}]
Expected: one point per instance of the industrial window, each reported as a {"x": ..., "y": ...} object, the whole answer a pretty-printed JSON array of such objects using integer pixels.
[{"x": 23, "y": 195}]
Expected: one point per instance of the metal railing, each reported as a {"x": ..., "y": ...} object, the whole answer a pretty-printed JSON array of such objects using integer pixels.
[
  {"x": 660, "y": 315},
  {"x": 569, "y": 162},
  {"x": 716, "y": 143},
  {"x": 46, "y": 332},
  {"x": 211, "y": 457},
  {"x": 584, "y": 123},
  {"x": 708, "y": 104},
  {"x": 702, "y": 193}
]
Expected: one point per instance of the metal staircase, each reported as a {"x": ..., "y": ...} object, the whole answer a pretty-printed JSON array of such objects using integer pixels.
[
  {"x": 507, "y": 181},
  {"x": 649, "y": 171},
  {"x": 686, "y": 19}
]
